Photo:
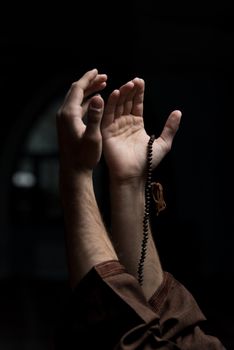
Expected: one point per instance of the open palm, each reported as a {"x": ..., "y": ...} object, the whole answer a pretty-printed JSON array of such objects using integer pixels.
[{"x": 124, "y": 136}]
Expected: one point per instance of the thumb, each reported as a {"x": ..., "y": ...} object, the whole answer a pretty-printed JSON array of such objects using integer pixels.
[
  {"x": 94, "y": 115},
  {"x": 171, "y": 127},
  {"x": 163, "y": 143}
]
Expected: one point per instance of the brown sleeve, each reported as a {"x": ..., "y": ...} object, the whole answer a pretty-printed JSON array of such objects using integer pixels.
[
  {"x": 108, "y": 310},
  {"x": 105, "y": 305},
  {"x": 181, "y": 318}
]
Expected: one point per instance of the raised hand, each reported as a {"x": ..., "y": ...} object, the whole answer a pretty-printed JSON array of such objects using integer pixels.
[
  {"x": 80, "y": 143},
  {"x": 124, "y": 136}
]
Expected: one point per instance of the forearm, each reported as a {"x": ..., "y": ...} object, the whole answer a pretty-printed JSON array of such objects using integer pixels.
[
  {"x": 87, "y": 242},
  {"x": 127, "y": 213}
]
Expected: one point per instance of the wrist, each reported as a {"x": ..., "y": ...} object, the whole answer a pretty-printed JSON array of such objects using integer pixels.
[
  {"x": 134, "y": 182},
  {"x": 131, "y": 190}
]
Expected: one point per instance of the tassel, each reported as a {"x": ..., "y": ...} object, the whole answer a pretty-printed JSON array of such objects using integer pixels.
[{"x": 157, "y": 193}]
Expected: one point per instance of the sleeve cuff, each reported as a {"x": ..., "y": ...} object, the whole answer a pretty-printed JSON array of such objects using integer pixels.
[
  {"x": 109, "y": 268},
  {"x": 158, "y": 298}
]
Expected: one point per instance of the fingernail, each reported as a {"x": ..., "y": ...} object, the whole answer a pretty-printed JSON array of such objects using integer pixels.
[{"x": 96, "y": 105}]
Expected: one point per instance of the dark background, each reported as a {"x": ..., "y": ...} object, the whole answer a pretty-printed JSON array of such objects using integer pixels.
[{"x": 187, "y": 63}]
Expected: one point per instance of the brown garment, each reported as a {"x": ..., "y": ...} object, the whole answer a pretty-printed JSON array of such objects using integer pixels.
[{"x": 108, "y": 310}]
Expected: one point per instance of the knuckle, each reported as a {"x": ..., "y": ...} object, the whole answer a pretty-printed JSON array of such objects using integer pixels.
[
  {"x": 167, "y": 146},
  {"x": 68, "y": 112},
  {"x": 75, "y": 85},
  {"x": 94, "y": 138}
]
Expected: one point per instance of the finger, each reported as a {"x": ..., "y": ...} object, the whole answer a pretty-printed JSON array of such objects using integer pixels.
[
  {"x": 98, "y": 87},
  {"x": 109, "y": 111},
  {"x": 94, "y": 116},
  {"x": 124, "y": 92},
  {"x": 77, "y": 90},
  {"x": 97, "y": 84},
  {"x": 138, "y": 99},
  {"x": 128, "y": 103}
]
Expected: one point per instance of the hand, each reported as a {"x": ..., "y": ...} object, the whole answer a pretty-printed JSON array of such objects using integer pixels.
[
  {"x": 80, "y": 144},
  {"x": 124, "y": 136}
]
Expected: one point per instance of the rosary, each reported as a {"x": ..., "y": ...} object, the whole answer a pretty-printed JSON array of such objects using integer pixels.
[{"x": 156, "y": 189}]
